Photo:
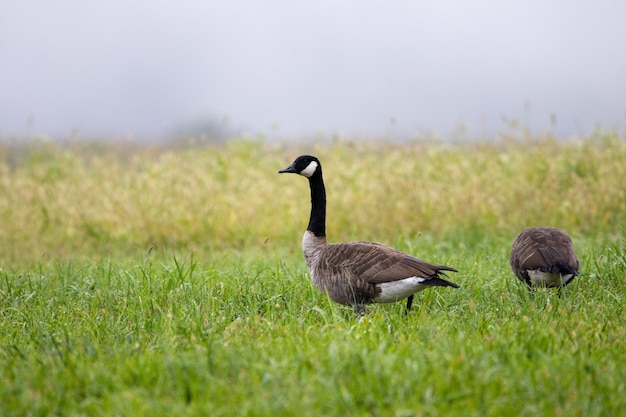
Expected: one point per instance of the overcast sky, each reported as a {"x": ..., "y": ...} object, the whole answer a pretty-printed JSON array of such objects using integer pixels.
[{"x": 149, "y": 67}]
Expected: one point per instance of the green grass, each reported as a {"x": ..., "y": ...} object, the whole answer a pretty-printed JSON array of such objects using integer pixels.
[{"x": 167, "y": 282}]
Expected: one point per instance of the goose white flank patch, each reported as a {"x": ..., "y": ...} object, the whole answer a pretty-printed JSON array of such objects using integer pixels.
[
  {"x": 358, "y": 273},
  {"x": 544, "y": 257}
]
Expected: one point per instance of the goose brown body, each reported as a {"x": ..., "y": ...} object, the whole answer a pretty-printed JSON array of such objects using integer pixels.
[
  {"x": 544, "y": 256},
  {"x": 358, "y": 273}
]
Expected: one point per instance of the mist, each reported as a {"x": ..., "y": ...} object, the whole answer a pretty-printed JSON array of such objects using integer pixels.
[{"x": 150, "y": 69}]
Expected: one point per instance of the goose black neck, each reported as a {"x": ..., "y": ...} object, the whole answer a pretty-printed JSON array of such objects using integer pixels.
[{"x": 317, "y": 222}]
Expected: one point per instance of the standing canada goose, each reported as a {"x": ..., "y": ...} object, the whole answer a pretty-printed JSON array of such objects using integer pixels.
[
  {"x": 358, "y": 273},
  {"x": 544, "y": 256}
]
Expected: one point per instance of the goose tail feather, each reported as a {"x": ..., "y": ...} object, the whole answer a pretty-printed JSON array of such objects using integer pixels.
[{"x": 440, "y": 282}]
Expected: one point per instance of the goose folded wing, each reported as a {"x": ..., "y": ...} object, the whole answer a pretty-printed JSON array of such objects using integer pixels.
[
  {"x": 376, "y": 263},
  {"x": 538, "y": 254}
]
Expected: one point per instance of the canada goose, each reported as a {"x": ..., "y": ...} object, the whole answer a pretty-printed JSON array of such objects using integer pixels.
[
  {"x": 358, "y": 273},
  {"x": 544, "y": 256}
]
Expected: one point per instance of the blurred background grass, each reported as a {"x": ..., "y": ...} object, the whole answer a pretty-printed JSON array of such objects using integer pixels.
[{"x": 100, "y": 199}]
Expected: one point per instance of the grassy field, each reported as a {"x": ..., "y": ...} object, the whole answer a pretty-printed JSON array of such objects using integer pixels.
[{"x": 139, "y": 280}]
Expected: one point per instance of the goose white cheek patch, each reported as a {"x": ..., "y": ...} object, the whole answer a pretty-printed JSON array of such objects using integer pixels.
[{"x": 309, "y": 170}]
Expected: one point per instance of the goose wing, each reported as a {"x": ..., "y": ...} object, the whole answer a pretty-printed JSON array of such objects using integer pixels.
[{"x": 375, "y": 263}]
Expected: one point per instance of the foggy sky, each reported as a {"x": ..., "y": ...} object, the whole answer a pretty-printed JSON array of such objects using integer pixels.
[{"x": 148, "y": 68}]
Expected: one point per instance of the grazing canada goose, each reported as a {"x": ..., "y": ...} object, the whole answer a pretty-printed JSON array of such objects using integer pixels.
[
  {"x": 358, "y": 273},
  {"x": 544, "y": 257}
]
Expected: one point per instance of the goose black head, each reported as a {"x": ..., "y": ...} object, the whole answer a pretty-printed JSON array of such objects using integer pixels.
[{"x": 305, "y": 165}]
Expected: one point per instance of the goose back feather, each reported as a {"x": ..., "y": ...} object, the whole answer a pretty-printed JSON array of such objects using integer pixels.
[{"x": 544, "y": 256}]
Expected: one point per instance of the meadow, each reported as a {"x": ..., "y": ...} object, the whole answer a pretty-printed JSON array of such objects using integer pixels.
[{"x": 168, "y": 280}]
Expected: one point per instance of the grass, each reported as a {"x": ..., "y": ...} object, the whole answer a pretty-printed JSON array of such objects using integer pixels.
[{"x": 156, "y": 282}]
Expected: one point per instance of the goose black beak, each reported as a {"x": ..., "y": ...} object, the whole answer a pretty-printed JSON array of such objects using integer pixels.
[{"x": 291, "y": 169}]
